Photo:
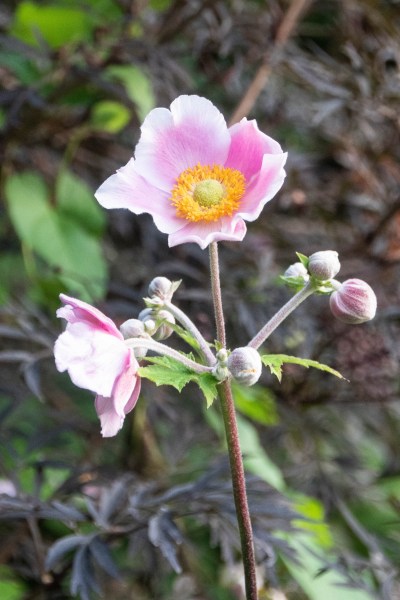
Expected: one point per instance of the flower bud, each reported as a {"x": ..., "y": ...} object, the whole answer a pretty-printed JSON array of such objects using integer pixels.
[
  {"x": 162, "y": 288},
  {"x": 150, "y": 319},
  {"x": 133, "y": 328},
  {"x": 245, "y": 365},
  {"x": 164, "y": 330},
  {"x": 353, "y": 302},
  {"x": 324, "y": 265},
  {"x": 297, "y": 270}
]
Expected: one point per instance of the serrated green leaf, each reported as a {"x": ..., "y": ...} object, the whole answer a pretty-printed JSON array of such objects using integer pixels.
[
  {"x": 208, "y": 385},
  {"x": 186, "y": 336},
  {"x": 275, "y": 362},
  {"x": 167, "y": 371}
]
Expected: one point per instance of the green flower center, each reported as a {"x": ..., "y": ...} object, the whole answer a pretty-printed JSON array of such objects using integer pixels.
[{"x": 208, "y": 192}]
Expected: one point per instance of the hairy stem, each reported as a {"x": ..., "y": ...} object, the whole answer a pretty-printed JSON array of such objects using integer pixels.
[
  {"x": 216, "y": 294},
  {"x": 232, "y": 438},
  {"x": 281, "y": 315},
  {"x": 150, "y": 344},
  {"x": 191, "y": 328}
]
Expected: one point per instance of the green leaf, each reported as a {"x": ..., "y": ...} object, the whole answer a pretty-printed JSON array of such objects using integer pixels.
[
  {"x": 316, "y": 582},
  {"x": 137, "y": 85},
  {"x": 10, "y": 587},
  {"x": 256, "y": 403},
  {"x": 75, "y": 200},
  {"x": 57, "y": 239},
  {"x": 275, "y": 362},
  {"x": 56, "y": 25},
  {"x": 109, "y": 116},
  {"x": 167, "y": 371},
  {"x": 186, "y": 336},
  {"x": 255, "y": 458},
  {"x": 303, "y": 259}
]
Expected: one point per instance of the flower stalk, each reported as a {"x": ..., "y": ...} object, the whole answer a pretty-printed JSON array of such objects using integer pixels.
[
  {"x": 192, "y": 329},
  {"x": 281, "y": 315},
  {"x": 233, "y": 442},
  {"x": 164, "y": 350}
]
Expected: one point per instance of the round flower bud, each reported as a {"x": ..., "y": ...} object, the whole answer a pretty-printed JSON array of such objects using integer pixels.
[
  {"x": 133, "y": 328},
  {"x": 353, "y": 302},
  {"x": 324, "y": 265},
  {"x": 161, "y": 287},
  {"x": 297, "y": 270},
  {"x": 245, "y": 365},
  {"x": 150, "y": 317},
  {"x": 164, "y": 330}
]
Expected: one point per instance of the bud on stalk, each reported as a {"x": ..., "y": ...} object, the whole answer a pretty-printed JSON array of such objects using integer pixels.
[
  {"x": 353, "y": 302},
  {"x": 245, "y": 365},
  {"x": 324, "y": 265}
]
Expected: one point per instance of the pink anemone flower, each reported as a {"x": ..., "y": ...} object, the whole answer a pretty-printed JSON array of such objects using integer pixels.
[
  {"x": 198, "y": 178},
  {"x": 93, "y": 352}
]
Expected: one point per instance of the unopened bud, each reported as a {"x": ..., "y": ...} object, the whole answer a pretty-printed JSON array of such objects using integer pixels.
[
  {"x": 324, "y": 265},
  {"x": 164, "y": 330},
  {"x": 151, "y": 318},
  {"x": 297, "y": 270},
  {"x": 133, "y": 328},
  {"x": 245, "y": 365},
  {"x": 162, "y": 288},
  {"x": 353, "y": 302}
]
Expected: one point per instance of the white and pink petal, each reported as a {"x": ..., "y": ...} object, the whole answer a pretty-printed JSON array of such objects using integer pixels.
[{"x": 193, "y": 132}]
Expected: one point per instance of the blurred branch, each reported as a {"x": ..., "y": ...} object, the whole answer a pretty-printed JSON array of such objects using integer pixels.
[{"x": 285, "y": 31}]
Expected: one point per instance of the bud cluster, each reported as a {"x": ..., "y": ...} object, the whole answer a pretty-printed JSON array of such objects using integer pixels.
[{"x": 352, "y": 302}]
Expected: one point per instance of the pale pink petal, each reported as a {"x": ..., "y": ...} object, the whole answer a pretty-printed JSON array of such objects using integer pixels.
[
  {"x": 248, "y": 146},
  {"x": 94, "y": 359},
  {"x": 231, "y": 229},
  {"x": 111, "y": 421},
  {"x": 125, "y": 386},
  {"x": 76, "y": 310},
  {"x": 127, "y": 189},
  {"x": 193, "y": 132},
  {"x": 112, "y": 410},
  {"x": 263, "y": 187}
]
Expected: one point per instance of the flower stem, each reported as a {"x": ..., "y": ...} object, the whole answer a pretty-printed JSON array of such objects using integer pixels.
[
  {"x": 167, "y": 351},
  {"x": 232, "y": 438},
  {"x": 281, "y": 315},
  {"x": 216, "y": 294},
  {"x": 191, "y": 328}
]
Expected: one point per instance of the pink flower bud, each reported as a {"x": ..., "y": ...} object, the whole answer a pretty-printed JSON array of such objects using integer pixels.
[
  {"x": 161, "y": 287},
  {"x": 245, "y": 365},
  {"x": 324, "y": 265},
  {"x": 353, "y": 302}
]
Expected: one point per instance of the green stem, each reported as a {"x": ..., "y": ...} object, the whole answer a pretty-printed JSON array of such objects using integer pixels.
[
  {"x": 232, "y": 438},
  {"x": 191, "y": 328},
  {"x": 281, "y": 315},
  {"x": 150, "y": 344}
]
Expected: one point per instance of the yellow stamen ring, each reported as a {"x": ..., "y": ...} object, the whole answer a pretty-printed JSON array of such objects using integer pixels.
[{"x": 204, "y": 193}]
